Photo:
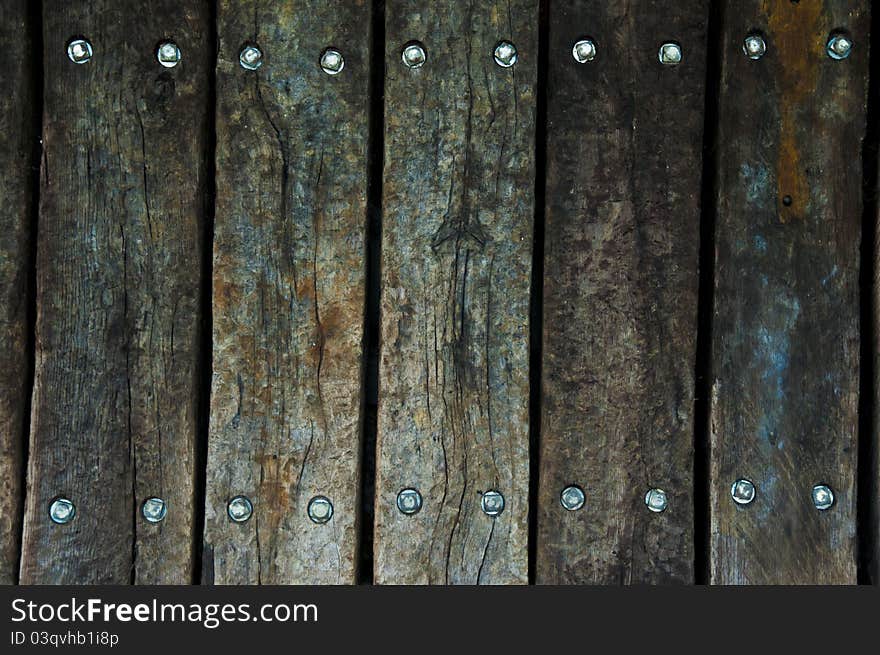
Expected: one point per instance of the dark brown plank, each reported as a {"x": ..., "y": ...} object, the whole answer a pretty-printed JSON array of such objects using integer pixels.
[
  {"x": 18, "y": 141},
  {"x": 620, "y": 292},
  {"x": 288, "y": 292},
  {"x": 118, "y": 268},
  {"x": 457, "y": 231},
  {"x": 786, "y": 324}
]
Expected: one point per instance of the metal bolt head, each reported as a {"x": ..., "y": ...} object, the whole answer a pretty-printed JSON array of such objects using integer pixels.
[
  {"x": 823, "y": 497},
  {"x": 505, "y": 54},
  {"x": 62, "y": 511},
  {"x": 572, "y": 498},
  {"x": 250, "y": 57},
  {"x": 154, "y": 509},
  {"x": 839, "y": 46},
  {"x": 79, "y": 51},
  {"x": 670, "y": 54},
  {"x": 656, "y": 500},
  {"x": 742, "y": 491},
  {"x": 409, "y": 501},
  {"x": 584, "y": 51},
  {"x": 332, "y": 61},
  {"x": 492, "y": 503},
  {"x": 240, "y": 509},
  {"x": 320, "y": 509},
  {"x": 754, "y": 46},
  {"x": 414, "y": 55},
  {"x": 168, "y": 54}
]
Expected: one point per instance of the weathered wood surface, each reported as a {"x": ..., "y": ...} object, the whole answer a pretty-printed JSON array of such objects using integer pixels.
[
  {"x": 786, "y": 323},
  {"x": 457, "y": 231},
  {"x": 288, "y": 298},
  {"x": 18, "y": 147},
  {"x": 620, "y": 292},
  {"x": 118, "y": 266}
]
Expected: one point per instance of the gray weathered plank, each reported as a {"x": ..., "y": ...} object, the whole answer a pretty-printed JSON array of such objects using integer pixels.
[
  {"x": 288, "y": 296},
  {"x": 118, "y": 268},
  {"x": 456, "y": 261},
  {"x": 18, "y": 141},
  {"x": 624, "y": 142},
  {"x": 786, "y": 325}
]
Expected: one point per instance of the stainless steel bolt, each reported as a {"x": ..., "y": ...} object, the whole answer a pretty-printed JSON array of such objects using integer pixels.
[
  {"x": 168, "y": 54},
  {"x": 250, "y": 57},
  {"x": 839, "y": 46},
  {"x": 154, "y": 510},
  {"x": 414, "y": 55},
  {"x": 823, "y": 497},
  {"x": 670, "y": 54},
  {"x": 332, "y": 61},
  {"x": 409, "y": 501},
  {"x": 62, "y": 511},
  {"x": 584, "y": 51},
  {"x": 754, "y": 46},
  {"x": 505, "y": 54},
  {"x": 320, "y": 509},
  {"x": 743, "y": 491},
  {"x": 240, "y": 509},
  {"x": 492, "y": 503},
  {"x": 572, "y": 498},
  {"x": 79, "y": 51},
  {"x": 656, "y": 500}
]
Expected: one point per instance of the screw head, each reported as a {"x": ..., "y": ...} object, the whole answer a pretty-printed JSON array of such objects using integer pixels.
[
  {"x": 754, "y": 46},
  {"x": 168, "y": 54},
  {"x": 332, "y": 61},
  {"x": 584, "y": 51},
  {"x": 320, "y": 509},
  {"x": 656, "y": 500},
  {"x": 154, "y": 510},
  {"x": 505, "y": 54},
  {"x": 572, "y": 498},
  {"x": 79, "y": 51},
  {"x": 414, "y": 55},
  {"x": 839, "y": 46},
  {"x": 742, "y": 491},
  {"x": 240, "y": 509},
  {"x": 670, "y": 54},
  {"x": 492, "y": 503},
  {"x": 62, "y": 511},
  {"x": 409, "y": 501},
  {"x": 823, "y": 497},
  {"x": 250, "y": 57}
]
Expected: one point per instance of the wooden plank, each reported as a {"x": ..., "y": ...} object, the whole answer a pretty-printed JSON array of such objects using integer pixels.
[
  {"x": 457, "y": 230},
  {"x": 786, "y": 325},
  {"x": 289, "y": 289},
  {"x": 118, "y": 267},
  {"x": 624, "y": 159},
  {"x": 18, "y": 142}
]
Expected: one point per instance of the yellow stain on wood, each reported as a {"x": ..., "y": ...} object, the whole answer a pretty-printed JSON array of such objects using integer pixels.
[{"x": 796, "y": 32}]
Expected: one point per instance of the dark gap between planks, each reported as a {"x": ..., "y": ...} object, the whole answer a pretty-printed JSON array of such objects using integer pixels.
[{"x": 706, "y": 300}]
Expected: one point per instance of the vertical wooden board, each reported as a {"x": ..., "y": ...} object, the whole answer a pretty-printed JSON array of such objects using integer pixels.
[
  {"x": 288, "y": 299},
  {"x": 624, "y": 141},
  {"x": 458, "y": 206},
  {"x": 786, "y": 326},
  {"x": 118, "y": 268},
  {"x": 18, "y": 140}
]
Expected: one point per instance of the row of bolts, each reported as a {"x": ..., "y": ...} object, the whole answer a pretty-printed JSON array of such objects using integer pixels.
[
  {"x": 414, "y": 55},
  {"x": 409, "y": 501}
]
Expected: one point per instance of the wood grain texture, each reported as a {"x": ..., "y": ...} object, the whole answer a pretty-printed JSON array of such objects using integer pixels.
[
  {"x": 620, "y": 292},
  {"x": 288, "y": 299},
  {"x": 118, "y": 269},
  {"x": 786, "y": 325},
  {"x": 18, "y": 143},
  {"x": 458, "y": 205}
]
